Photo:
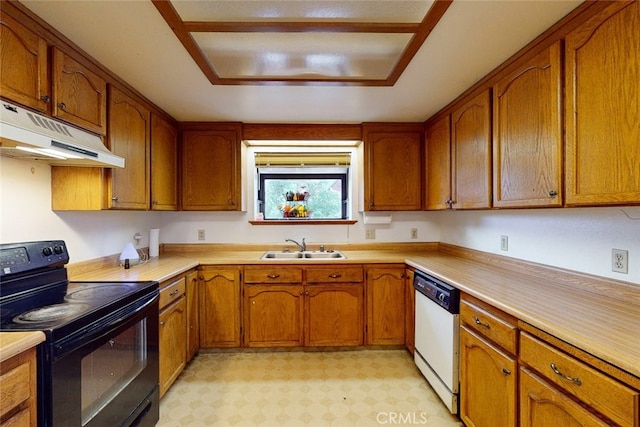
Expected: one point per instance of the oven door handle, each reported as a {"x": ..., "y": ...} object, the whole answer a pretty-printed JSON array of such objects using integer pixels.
[{"x": 141, "y": 308}]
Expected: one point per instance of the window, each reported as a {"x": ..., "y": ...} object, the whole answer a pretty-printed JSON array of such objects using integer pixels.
[{"x": 303, "y": 186}]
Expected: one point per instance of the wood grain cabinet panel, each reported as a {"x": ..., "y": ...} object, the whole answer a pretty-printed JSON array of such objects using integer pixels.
[
  {"x": 193, "y": 315},
  {"x": 471, "y": 153},
  {"x": 488, "y": 383},
  {"x": 220, "y": 310},
  {"x": 79, "y": 95},
  {"x": 334, "y": 314},
  {"x": 18, "y": 386},
  {"x": 173, "y": 343},
  {"x": 211, "y": 169},
  {"x": 602, "y": 58},
  {"x": 129, "y": 137},
  {"x": 438, "y": 164},
  {"x": 24, "y": 65},
  {"x": 385, "y": 305},
  {"x": 409, "y": 320},
  {"x": 527, "y": 133},
  {"x": 164, "y": 164},
  {"x": 393, "y": 167}
]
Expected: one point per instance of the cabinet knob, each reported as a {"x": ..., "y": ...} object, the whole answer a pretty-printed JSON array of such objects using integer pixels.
[
  {"x": 114, "y": 198},
  {"x": 45, "y": 98},
  {"x": 553, "y": 193},
  {"x": 162, "y": 323},
  {"x": 335, "y": 275},
  {"x": 154, "y": 202},
  {"x": 62, "y": 105},
  {"x": 506, "y": 371}
]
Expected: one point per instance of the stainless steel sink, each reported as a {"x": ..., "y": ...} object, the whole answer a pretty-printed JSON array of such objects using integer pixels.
[{"x": 308, "y": 255}]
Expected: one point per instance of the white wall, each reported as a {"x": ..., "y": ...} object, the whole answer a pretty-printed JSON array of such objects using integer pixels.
[
  {"x": 579, "y": 239},
  {"x": 574, "y": 238}
]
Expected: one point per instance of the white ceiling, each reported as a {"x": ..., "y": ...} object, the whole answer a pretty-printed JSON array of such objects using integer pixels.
[{"x": 132, "y": 40}]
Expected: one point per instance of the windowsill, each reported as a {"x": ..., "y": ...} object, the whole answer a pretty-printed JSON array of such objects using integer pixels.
[{"x": 303, "y": 221}]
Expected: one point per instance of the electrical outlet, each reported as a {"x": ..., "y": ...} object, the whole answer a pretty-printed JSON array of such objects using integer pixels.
[
  {"x": 504, "y": 243},
  {"x": 370, "y": 234},
  {"x": 201, "y": 235},
  {"x": 414, "y": 233},
  {"x": 620, "y": 261}
]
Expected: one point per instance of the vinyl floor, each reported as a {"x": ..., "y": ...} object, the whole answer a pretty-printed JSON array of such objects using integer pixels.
[{"x": 303, "y": 388}]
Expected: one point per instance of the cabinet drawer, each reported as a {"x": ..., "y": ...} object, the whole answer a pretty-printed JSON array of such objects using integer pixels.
[
  {"x": 15, "y": 385},
  {"x": 172, "y": 291},
  {"x": 283, "y": 274},
  {"x": 335, "y": 274},
  {"x": 490, "y": 324},
  {"x": 598, "y": 391}
]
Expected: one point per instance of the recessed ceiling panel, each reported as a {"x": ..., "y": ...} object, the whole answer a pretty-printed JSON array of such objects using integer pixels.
[
  {"x": 396, "y": 11},
  {"x": 304, "y": 55}
]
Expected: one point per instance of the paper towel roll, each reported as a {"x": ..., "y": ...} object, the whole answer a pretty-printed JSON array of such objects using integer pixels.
[{"x": 154, "y": 242}]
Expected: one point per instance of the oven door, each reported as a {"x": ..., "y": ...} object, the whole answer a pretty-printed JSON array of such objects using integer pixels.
[{"x": 107, "y": 376}]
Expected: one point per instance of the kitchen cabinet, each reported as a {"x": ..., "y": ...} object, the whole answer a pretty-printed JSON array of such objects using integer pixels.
[
  {"x": 211, "y": 170},
  {"x": 385, "y": 290},
  {"x": 173, "y": 331},
  {"x": 79, "y": 94},
  {"x": 24, "y": 65},
  {"x": 556, "y": 385},
  {"x": 164, "y": 164},
  {"x": 602, "y": 104},
  {"x": 193, "y": 315},
  {"x": 488, "y": 367},
  {"x": 220, "y": 311},
  {"x": 18, "y": 382},
  {"x": 129, "y": 137},
  {"x": 527, "y": 133},
  {"x": 409, "y": 320},
  {"x": 438, "y": 164},
  {"x": 392, "y": 166},
  {"x": 334, "y": 306},
  {"x": 471, "y": 153}
]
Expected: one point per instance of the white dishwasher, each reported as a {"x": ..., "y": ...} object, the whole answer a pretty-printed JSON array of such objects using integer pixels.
[{"x": 437, "y": 336}]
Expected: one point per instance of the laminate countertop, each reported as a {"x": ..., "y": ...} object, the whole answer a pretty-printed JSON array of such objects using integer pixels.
[
  {"x": 598, "y": 315},
  {"x": 13, "y": 343}
]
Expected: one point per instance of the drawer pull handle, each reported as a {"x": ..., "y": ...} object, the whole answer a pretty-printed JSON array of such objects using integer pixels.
[
  {"x": 506, "y": 371},
  {"x": 335, "y": 275},
  {"x": 576, "y": 381},
  {"x": 479, "y": 323},
  {"x": 273, "y": 276},
  {"x": 174, "y": 292}
]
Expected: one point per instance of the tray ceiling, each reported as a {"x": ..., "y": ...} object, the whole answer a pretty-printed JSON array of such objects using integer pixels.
[{"x": 303, "y": 42}]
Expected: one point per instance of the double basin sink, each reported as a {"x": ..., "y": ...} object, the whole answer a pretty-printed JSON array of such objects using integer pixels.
[{"x": 307, "y": 255}]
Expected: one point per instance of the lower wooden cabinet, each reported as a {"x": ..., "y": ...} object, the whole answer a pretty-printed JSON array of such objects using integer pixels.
[
  {"x": 409, "y": 319},
  {"x": 18, "y": 378},
  {"x": 193, "y": 316},
  {"x": 488, "y": 386},
  {"x": 173, "y": 342},
  {"x": 334, "y": 315},
  {"x": 385, "y": 305},
  {"x": 220, "y": 313}
]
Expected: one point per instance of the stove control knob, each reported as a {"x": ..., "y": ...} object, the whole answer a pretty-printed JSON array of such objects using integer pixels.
[
  {"x": 57, "y": 250},
  {"x": 47, "y": 251},
  {"x": 441, "y": 297}
]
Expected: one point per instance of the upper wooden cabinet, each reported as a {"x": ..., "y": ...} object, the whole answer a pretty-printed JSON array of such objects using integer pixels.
[
  {"x": 471, "y": 153},
  {"x": 164, "y": 164},
  {"x": 79, "y": 95},
  {"x": 24, "y": 65},
  {"x": 527, "y": 133},
  {"x": 603, "y": 108},
  {"x": 211, "y": 169},
  {"x": 392, "y": 166},
  {"x": 438, "y": 164},
  {"x": 129, "y": 137}
]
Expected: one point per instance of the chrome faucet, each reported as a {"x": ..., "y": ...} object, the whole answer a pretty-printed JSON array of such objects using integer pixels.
[{"x": 302, "y": 246}]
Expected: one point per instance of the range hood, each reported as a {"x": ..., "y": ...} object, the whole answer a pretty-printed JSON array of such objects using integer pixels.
[{"x": 28, "y": 135}]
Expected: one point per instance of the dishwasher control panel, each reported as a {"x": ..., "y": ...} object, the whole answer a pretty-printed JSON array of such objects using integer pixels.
[{"x": 443, "y": 294}]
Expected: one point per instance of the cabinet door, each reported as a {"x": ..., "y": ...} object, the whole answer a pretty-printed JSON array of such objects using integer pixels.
[
  {"x": 602, "y": 58},
  {"x": 23, "y": 65},
  {"x": 193, "y": 316},
  {"x": 393, "y": 167},
  {"x": 173, "y": 343},
  {"x": 385, "y": 305},
  {"x": 543, "y": 405},
  {"x": 527, "y": 133},
  {"x": 219, "y": 307},
  {"x": 164, "y": 164},
  {"x": 211, "y": 170},
  {"x": 334, "y": 315},
  {"x": 410, "y": 305},
  {"x": 488, "y": 386},
  {"x": 129, "y": 130},
  {"x": 273, "y": 315},
  {"x": 471, "y": 154},
  {"x": 438, "y": 165},
  {"x": 79, "y": 94}
]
